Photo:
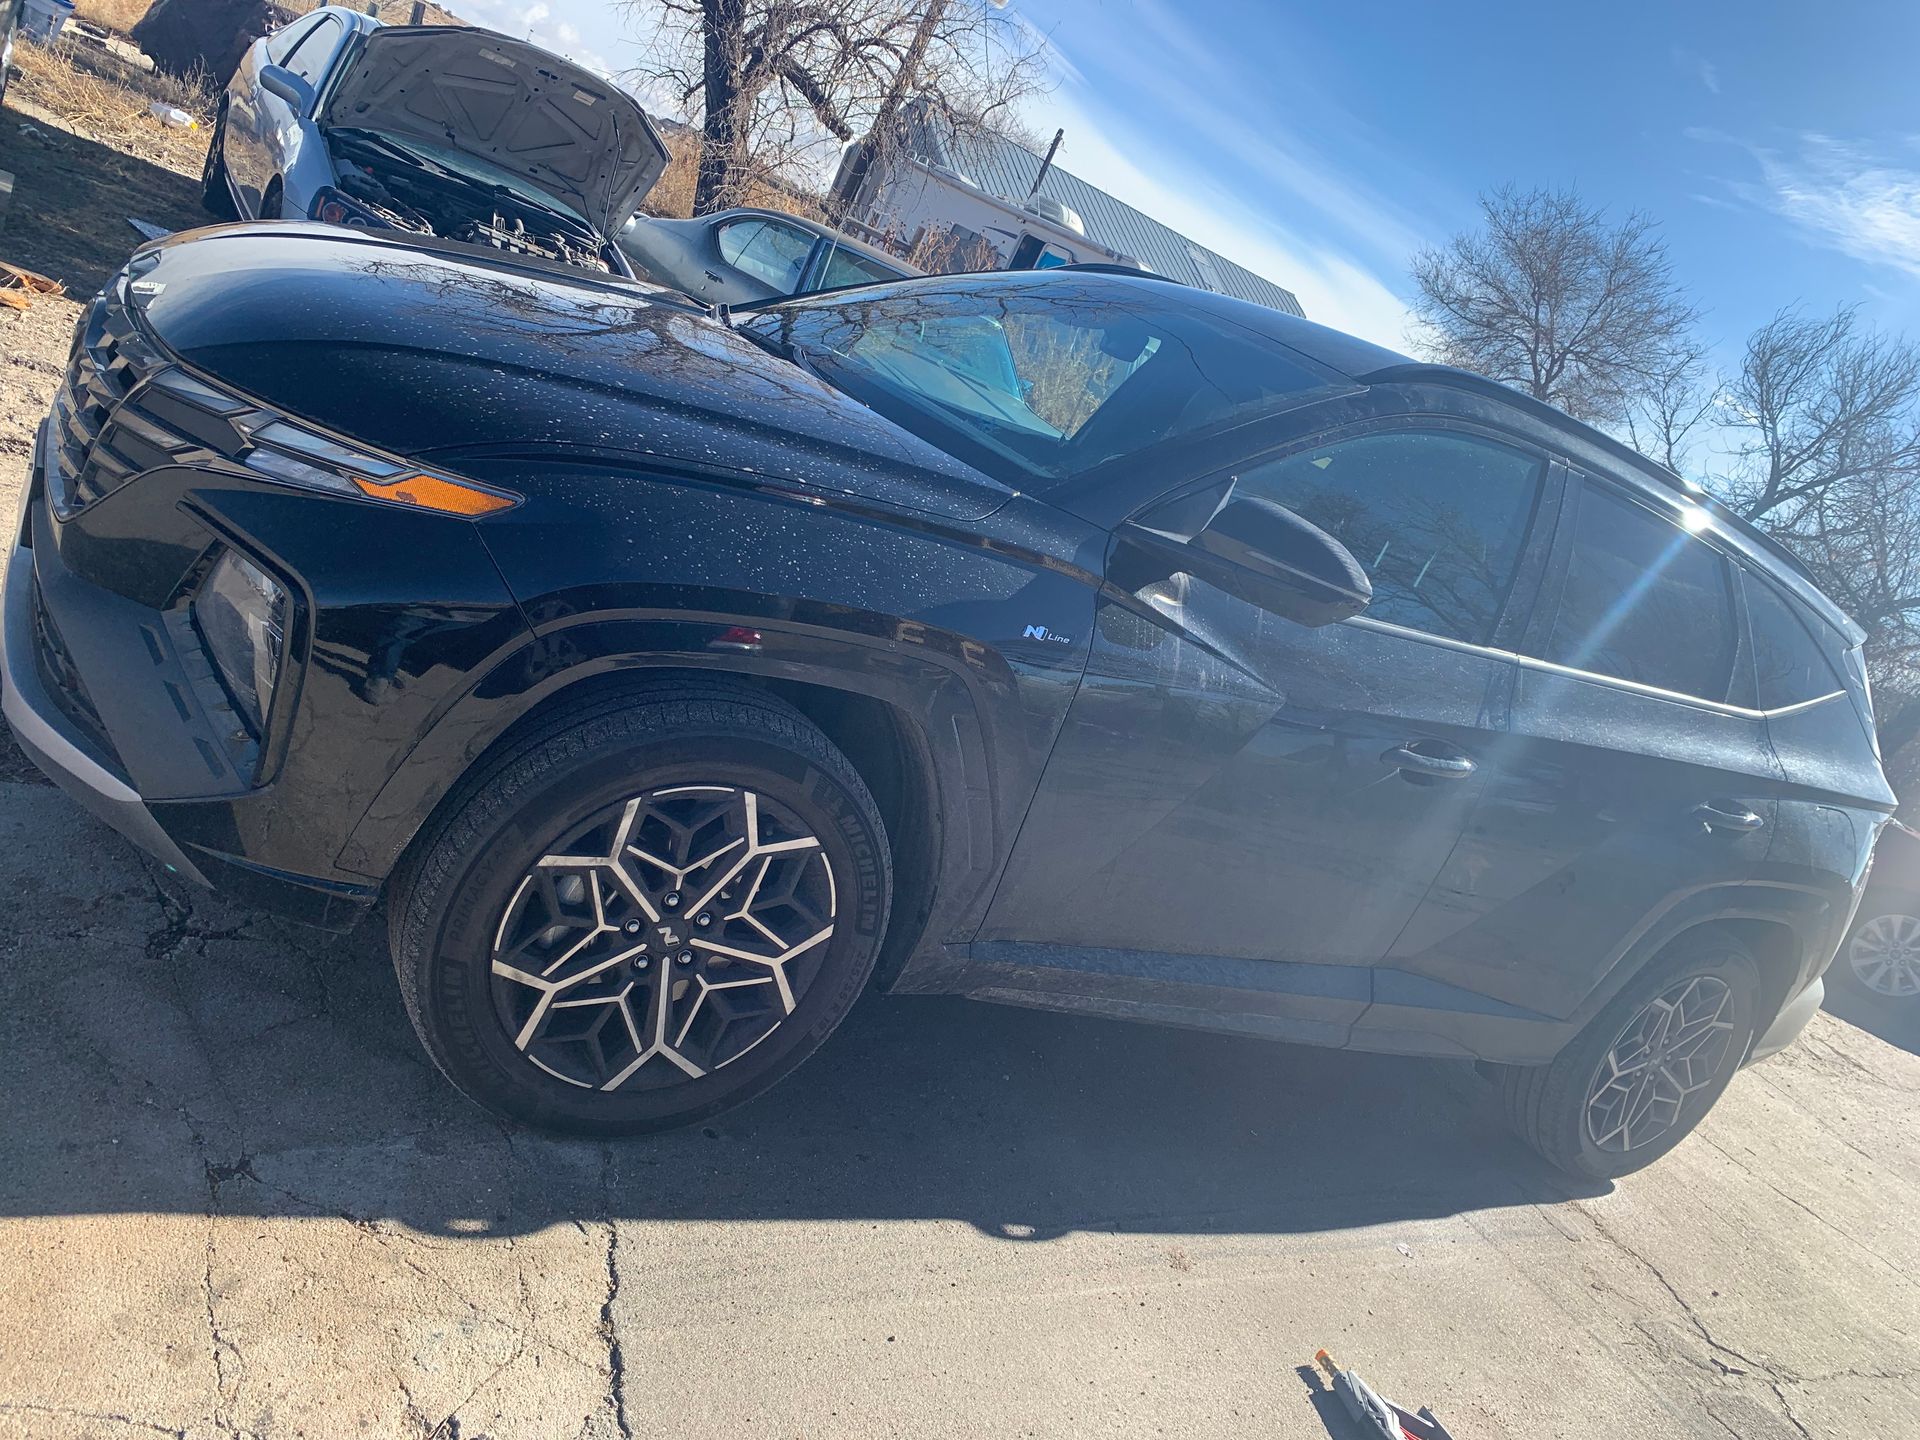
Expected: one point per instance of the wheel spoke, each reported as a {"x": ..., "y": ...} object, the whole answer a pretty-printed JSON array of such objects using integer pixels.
[
  {"x": 659, "y": 931},
  {"x": 1674, "y": 1046}
]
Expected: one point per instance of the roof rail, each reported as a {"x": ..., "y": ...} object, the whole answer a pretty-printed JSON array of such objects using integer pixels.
[
  {"x": 1459, "y": 379},
  {"x": 1107, "y": 267}
]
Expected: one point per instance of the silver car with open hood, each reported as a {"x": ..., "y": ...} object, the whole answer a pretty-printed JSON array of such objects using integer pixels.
[{"x": 439, "y": 130}]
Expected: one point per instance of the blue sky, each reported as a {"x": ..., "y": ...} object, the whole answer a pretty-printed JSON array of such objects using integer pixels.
[{"x": 1778, "y": 145}]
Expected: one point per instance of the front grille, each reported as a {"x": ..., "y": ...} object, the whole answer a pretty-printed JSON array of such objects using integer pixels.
[
  {"x": 61, "y": 679},
  {"x": 94, "y": 452}
]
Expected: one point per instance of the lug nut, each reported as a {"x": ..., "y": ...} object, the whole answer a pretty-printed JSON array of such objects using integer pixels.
[
  {"x": 641, "y": 963},
  {"x": 703, "y": 920},
  {"x": 633, "y": 927},
  {"x": 686, "y": 957},
  {"x": 673, "y": 901}
]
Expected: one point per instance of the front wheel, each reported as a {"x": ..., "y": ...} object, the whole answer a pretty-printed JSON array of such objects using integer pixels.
[
  {"x": 644, "y": 914},
  {"x": 1647, "y": 1068}
]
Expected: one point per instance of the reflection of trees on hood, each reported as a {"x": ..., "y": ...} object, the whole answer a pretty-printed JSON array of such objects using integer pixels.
[{"x": 571, "y": 322}]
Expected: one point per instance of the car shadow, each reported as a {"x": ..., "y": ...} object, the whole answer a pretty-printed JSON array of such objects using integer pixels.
[
  {"x": 175, "y": 1053},
  {"x": 1895, "y": 1021}
]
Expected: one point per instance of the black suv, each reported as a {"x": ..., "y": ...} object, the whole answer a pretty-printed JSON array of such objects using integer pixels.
[{"x": 1074, "y": 639}]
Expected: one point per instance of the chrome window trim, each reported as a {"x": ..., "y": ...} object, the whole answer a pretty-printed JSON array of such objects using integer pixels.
[{"x": 1549, "y": 667}]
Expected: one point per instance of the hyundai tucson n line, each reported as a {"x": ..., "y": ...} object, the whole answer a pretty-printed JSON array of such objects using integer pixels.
[
  {"x": 438, "y": 130},
  {"x": 1075, "y": 640}
]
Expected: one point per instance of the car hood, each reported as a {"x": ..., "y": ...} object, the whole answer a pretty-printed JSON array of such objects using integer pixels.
[
  {"x": 570, "y": 133},
  {"x": 426, "y": 351}
]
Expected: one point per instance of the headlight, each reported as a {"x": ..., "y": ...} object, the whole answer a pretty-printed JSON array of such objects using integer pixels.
[
  {"x": 338, "y": 209},
  {"x": 241, "y": 612}
]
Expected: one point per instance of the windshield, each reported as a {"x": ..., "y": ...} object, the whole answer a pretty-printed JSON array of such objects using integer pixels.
[
  {"x": 1043, "y": 378},
  {"x": 472, "y": 167}
]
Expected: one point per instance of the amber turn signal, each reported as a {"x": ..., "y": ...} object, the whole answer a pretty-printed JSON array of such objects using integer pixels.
[{"x": 431, "y": 492}]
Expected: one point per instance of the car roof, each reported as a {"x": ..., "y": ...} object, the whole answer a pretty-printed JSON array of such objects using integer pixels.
[
  {"x": 825, "y": 232},
  {"x": 356, "y": 19},
  {"x": 1366, "y": 363}
]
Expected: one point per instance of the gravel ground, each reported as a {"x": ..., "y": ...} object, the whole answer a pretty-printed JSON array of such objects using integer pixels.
[{"x": 235, "y": 1201}]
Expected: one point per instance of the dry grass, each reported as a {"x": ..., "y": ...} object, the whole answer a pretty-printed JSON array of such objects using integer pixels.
[
  {"x": 99, "y": 97},
  {"x": 116, "y": 15},
  {"x": 672, "y": 196}
]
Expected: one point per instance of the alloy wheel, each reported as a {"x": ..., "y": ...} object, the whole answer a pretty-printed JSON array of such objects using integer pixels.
[
  {"x": 664, "y": 938},
  {"x": 1677, "y": 1044},
  {"x": 1885, "y": 955}
]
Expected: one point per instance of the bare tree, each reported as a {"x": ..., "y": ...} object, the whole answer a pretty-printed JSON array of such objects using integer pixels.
[
  {"x": 1546, "y": 296},
  {"x": 1662, "y": 420},
  {"x": 777, "y": 86},
  {"x": 1818, "y": 403},
  {"x": 1822, "y": 429}
]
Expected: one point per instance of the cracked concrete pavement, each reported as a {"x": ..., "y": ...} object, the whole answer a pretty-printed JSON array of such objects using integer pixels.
[{"x": 236, "y": 1201}]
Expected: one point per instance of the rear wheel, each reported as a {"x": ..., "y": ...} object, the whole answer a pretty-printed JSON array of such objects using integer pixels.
[
  {"x": 1647, "y": 1068},
  {"x": 644, "y": 914},
  {"x": 215, "y": 195}
]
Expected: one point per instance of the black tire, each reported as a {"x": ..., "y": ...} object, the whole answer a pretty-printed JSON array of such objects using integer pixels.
[
  {"x": 1885, "y": 922},
  {"x": 470, "y": 885},
  {"x": 215, "y": 196},
  {"x": 1554, "y": 1106}
]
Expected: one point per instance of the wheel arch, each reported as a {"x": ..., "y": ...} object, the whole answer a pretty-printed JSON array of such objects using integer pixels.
[
  {"x": 1792, "y": 926},
  {"x": 920, "y": 736}
]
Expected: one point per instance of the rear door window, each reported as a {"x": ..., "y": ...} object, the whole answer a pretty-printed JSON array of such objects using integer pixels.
[
  {"x": 850, "y": 267},
  {"x": 1788, "y": 664},
  {"x": 1436, "y": 518},
  {"x": 1644, "y": 601},
  {"x": 770, "y": 252}
]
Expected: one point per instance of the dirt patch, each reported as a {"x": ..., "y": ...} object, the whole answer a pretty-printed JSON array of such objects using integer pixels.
[{"x": 86, "y": 155}]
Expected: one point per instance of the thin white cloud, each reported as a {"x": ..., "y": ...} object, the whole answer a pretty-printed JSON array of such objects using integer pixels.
[
  {"x": 1334, "y": 287},
  {"x": 1169, "y": 90},
  {"x": 1839, "y": 194},
  {"x": 535, "y": 22},
  {"x": 1709, "y": 76}
]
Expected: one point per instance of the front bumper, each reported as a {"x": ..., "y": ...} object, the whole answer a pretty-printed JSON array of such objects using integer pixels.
[
  {"x": 58, "y": 746},
  {"x": 153, "y": 701}
]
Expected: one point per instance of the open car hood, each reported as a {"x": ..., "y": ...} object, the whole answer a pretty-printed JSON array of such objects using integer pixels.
[{"x": 573, "y": 135}]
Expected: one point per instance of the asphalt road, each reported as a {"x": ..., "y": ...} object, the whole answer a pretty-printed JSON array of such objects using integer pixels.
[{"x": 235, "y": 1200}]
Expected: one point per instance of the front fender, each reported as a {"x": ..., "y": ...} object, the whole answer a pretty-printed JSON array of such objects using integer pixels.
[{"x": 983, "y": 727}]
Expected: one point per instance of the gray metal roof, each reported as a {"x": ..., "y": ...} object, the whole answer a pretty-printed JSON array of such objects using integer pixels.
[{"x": 1003, "y": 168}]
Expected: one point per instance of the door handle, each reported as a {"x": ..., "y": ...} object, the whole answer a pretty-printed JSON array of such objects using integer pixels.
[
  {"x": 1713, "y": 817},
  {"x": 1408, "y": 760},
  {"x": 717, "y": 279}
]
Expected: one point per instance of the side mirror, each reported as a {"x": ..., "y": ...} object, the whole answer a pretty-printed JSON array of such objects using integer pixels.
[
  {"x": 278, "y": 80},
  {"x": 1270, "y": 557}
]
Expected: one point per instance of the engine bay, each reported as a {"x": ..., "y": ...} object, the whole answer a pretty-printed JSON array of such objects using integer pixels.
[{"x": 381, "y": 186}]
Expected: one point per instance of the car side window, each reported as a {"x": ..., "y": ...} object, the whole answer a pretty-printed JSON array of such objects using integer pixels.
[
  {"x": 280, "y": 44},
  {"x": 308, "y": 59},
  {"x": 850, "y": 267},
  {"x": 772, "y": 253},
  {"x": 1789, "y": 665},
  {"x": 1644, "y": 601},
  {"x": 1436, "y": 518}
]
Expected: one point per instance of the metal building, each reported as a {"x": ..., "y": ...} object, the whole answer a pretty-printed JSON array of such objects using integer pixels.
[{"x": 950, "y": 192}]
